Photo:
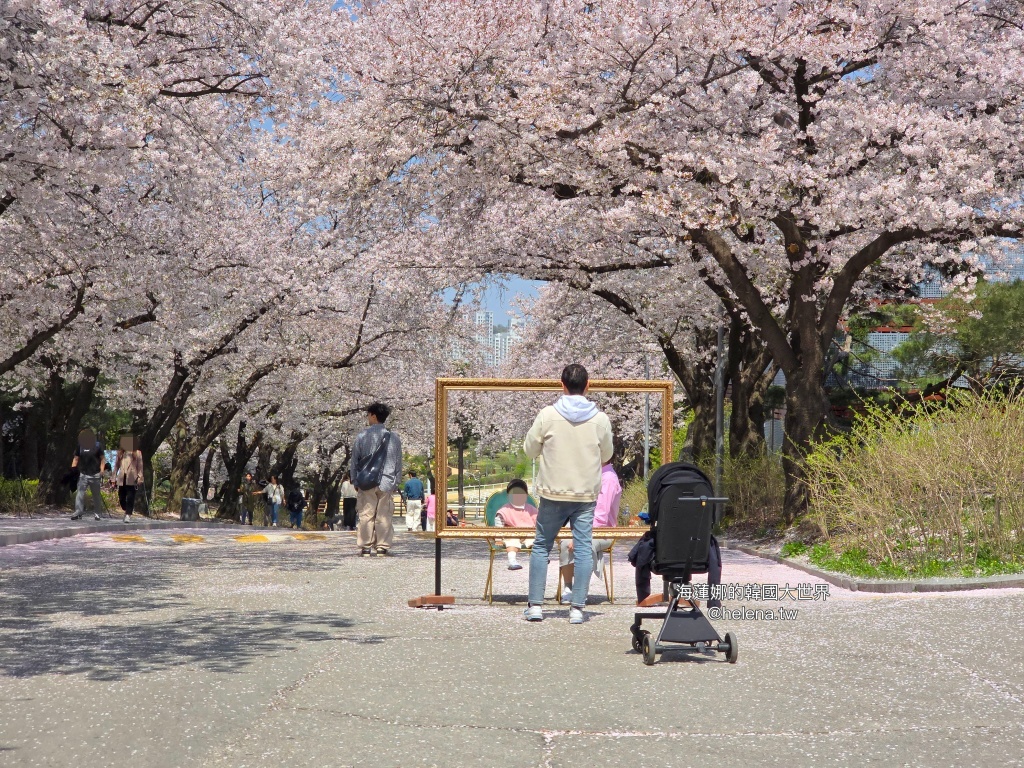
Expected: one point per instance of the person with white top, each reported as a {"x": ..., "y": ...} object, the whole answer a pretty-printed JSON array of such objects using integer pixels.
[
  {"x": 348, "y": 504},
  {"x": 275, "y": 498},
  {"x": 573, "y": 440}
]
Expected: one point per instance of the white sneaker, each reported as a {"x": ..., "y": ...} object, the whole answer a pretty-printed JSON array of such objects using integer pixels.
[
  {"x": 575, "y": 615},
  {"x": 566, "y": 595},
  {"x": 534, "y": 613},
  {"x": 127, "y": 518}
]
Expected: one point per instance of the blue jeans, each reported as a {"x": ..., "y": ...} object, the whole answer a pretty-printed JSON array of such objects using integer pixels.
[
  {"x": 273, "y": 512},
  {"x": 552, "y": 515}
]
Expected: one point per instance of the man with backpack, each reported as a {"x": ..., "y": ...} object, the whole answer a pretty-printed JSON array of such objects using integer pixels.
[
  {"x": 91, "y": 463},
  {"x": 376, "y": 468},
  {"x": 296, "y": 504}
]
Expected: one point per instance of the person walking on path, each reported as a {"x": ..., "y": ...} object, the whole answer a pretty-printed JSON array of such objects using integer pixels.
[
  {"x": 573, "y": 440},
  {"x": 91, "y": 464},
  {"x": 275, "y": 498},
  {"x": 414, "y": 494},
  {"x": 348, "y": 504},
  {"x": 128, "y": 475},
  {"x": 375, "y": 469},
  {"x": 296, "y": 503},
  {"x": 247, "y": 492}
]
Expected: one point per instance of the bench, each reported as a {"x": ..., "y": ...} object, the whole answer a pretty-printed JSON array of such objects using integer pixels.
[{"x": 496, "y": 502}]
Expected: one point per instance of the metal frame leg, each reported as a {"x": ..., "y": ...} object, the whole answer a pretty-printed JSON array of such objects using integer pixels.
[{"x": 489, "y": 586}]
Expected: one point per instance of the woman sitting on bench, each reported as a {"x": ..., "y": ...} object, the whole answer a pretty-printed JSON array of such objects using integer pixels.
[{"x": 517, "y": 513}]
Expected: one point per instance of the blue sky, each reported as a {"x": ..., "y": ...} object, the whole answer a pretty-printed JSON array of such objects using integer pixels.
[{"x": 499, "y": 296}]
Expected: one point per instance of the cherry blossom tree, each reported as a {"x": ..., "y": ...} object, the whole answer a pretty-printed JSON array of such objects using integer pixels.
[{"x": 788, "y": 149}]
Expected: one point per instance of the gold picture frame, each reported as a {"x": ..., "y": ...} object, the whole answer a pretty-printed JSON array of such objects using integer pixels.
[{"x": 664, "y": 387}]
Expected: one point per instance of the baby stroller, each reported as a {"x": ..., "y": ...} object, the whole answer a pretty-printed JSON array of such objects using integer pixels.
[{"x": 682, "y": 509}]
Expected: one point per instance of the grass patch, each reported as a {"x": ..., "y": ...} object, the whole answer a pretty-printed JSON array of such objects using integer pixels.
[
  {"x": 857, "y": 562},
  {"x": 793, "y": 549}
]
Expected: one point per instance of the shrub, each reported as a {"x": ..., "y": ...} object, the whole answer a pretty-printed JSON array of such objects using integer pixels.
[
  {"x": 930, "y": 488},
  {"x": 634, "y": 499},
  {"x": 18, "y": 496},
  {"x": 755, "y": 487}
]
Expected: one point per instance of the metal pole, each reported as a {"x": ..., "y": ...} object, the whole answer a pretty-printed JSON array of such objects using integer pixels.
[
  {"x": 437, "y": 565},
  {"x": 647, "y": 425},
  {"x": 719, "y": 409}
]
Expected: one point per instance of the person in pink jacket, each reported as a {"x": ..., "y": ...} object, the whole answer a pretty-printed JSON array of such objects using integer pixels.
[
  {"x": 431, "y": 511},
  {"x": 517, "y": 513},
  {"x": 606, "y": 515}
]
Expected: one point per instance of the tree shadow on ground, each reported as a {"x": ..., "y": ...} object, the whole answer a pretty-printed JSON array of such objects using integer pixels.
[
  {"x": 109, "y": 613},
  {"x": 216, "y": 641}
]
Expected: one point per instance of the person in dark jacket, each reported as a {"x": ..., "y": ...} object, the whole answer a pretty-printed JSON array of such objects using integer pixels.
[
  {"x": 296, "y": 503},
  {"x": 90, "y": 463}
]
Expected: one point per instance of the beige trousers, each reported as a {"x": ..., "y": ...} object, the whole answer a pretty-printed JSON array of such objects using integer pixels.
[{"x": 376, "y": 510}]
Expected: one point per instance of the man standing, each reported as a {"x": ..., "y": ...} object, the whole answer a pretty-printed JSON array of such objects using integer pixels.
[
  {"x": 414, "y": 495},
  {"x": 91, "y": 463},
  {"x": 572, "y": 439},
  {"x": 376, "y": 468}
]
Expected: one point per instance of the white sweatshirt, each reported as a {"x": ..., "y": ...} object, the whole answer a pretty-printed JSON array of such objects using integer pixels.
[{"x": 573, "y": 440}]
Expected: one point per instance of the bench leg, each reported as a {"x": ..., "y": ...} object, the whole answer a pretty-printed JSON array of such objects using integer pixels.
[
  {"x": 609, "y": 577},
  {"x": 489, "y": 586}
]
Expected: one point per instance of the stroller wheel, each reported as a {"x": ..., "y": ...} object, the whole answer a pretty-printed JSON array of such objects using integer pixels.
[
  {"x": 634, "y": 631},
  {"x": 733, "y": 650},
  {"x": 647, "y": 646}
]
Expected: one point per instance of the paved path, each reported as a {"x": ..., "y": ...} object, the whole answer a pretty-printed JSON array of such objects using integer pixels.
[{"x": 197, "y": 648}]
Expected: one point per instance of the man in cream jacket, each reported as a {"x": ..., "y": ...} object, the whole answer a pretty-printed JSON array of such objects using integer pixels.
[{"x": 572, "y": 439}]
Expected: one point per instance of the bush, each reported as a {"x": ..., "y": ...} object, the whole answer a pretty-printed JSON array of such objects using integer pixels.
[
  {"x": 634, "y": 500},
  {"x": 18, "y": 496},
  {"x": 934, "y": 488},
  {"x": 756, "y": 489}
]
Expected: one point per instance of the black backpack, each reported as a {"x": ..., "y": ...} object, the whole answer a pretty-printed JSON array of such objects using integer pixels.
[{"x": 369, "y": 471}]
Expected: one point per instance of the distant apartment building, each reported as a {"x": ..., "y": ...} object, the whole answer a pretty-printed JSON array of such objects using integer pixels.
[{"x": 484, "y": 322}]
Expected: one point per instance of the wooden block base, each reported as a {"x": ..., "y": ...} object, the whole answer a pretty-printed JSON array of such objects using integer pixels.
[{"x": 432, "y": 601}]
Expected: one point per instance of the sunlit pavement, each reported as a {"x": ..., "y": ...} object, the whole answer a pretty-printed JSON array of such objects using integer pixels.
[{"x": 243, "y": 647}]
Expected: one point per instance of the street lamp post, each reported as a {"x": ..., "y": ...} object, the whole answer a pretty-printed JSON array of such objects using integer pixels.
[
  {"x": 719, "y": 409},
  {"x": 647, "y": 424}
]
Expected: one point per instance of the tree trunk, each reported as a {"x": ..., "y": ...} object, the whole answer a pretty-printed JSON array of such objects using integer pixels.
[
  {"x": 204, "y": 493},
  {"x": 287, "y": 461},
  {"x": 185, "y": 454},
  {"x": 700, "y": 433},
  {"x": 807, "y": 409},
  {"x": 235, "y": 464},
  {"x": 30, "y": 444},
  {"x": 750, "y": 375},
  {"x": 66, "y": 406},
  {"x": 263, "y": 456}
]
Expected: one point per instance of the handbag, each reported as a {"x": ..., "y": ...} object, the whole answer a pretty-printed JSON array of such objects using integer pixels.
[{"x": 369, "y": 471}]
